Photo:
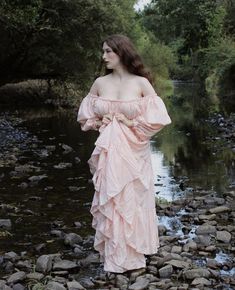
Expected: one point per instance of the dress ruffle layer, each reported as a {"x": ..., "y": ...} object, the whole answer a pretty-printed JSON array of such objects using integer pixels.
[{"x": 123, "y": 206}]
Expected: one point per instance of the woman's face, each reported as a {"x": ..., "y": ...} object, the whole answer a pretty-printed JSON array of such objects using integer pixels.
[{"x": 111, "y": 59}]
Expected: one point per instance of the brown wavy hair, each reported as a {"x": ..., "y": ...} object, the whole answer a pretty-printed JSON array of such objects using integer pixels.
[{"x": 124, "y": 48}]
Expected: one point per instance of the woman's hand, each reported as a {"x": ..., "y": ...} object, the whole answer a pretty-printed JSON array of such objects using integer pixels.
[
  {"x": 107, "y": 119},
  {"x": 122, "y": 118}
]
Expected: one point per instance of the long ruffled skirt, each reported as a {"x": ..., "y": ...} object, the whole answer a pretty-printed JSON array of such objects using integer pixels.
[{"x": 123, "y": 206}]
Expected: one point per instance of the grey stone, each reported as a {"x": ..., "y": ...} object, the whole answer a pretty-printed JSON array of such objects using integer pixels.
[
  {"x": 37, "y": 178},
  {"x": 18, "y": 287},
  {"x": 16, "y": 277},
  {"x": 204, "y": 240},
  {"x": 12, "y": 256},
  {"x": 65, "y": 265},
  {"x": 178, "y": 264},
  {"x": 87, "y": 283},
  {"x": 136, "y": 273},
  {"x": 63, "y": 165},
  {"x": 166, "y": 272},
  {"x": 176, "y": 249},
  {"x": 219, "y": 209},
  {"x": 72, "y": 239},
  {"x": 121, "y": 280},
  {"x": 190, "y": 246},
  {"x": 196, "y": 273},
  {"x": 223, "y": 236},
  {"x": 54, "y": 286},
  {"x": 140, "y": 284},
  {"x": 201, "y": 281},
  {"x": 44, "y": 264},
  {"x": 205, "y": 230},
  {"x": 35, "y": 276},
  {"x": 90, "y": 259},
  {"x": 74, "y": 285},
  {"x": 207, "y": 217},
  {"x": 5, "y": 223}
]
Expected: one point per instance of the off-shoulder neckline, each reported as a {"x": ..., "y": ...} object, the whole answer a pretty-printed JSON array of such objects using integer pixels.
[{"x": 125, "y": 101}]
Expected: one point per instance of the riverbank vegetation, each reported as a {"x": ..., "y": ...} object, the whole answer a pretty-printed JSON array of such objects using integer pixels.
[{"x": 55, "y": 45}]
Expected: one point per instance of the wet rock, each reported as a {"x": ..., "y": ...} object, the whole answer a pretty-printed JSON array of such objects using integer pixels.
[
  {"x": 5, "y": 223},
  {"x": 74, "y": 188},
  {"x": 196, "y": 273},
  {"x": 211, "y": 263},
  {"x": 74, "y": 285},
  {"x": 121, "y": 280},
  {"x": 64, "y": 265},
  {"x": 16, "y": 277},
  {"x": 219, "y": 209},
  {"x": 223, "y": 236},
  {"x": 201, "y": 281},
  {"x": 77, "y": 160},
  {"x": 44, "y": 264},
  {"x": 67, "y": 148},
  {"x": 54, "y": 286},
  {"x": 35, "y": 276},
  {"x": 72, "y": 239},
  {"x": 205, "y": 230},
  {"x": 178, "y": 264},
  {"x": 36, "y": 178},
  {"x": 165, "y": 272},
  {"x": 63, "y": 165},
  {"x": 162, "y": 230},
  {"x": 78, "y": 225},
  {"x": 140, "y": 284}
]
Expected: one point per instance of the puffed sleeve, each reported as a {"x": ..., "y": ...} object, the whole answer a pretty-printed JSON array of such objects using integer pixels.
[
  {"x": 86, "y": 116},
  {"x": 153, "y": 118}
]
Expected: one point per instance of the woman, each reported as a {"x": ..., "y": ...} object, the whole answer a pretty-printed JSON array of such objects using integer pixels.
[{"x": 126, "y": 110}]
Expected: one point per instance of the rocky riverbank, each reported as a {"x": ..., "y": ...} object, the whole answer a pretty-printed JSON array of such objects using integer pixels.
[{"x": 197, "y": 233}]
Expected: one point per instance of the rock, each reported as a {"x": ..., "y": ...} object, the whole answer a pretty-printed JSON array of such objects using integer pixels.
[
  {"x": 54, "y": 286},
  {"x": 190, "y": 246},
  {"x": 212, "y": 264},
  {"x": 165, "y": 272},
  {"x": 223, "y": 236},
  {"x": 18, "y": 287},
  {"x": 196, "y": 273},
  {"x": 178, "y": 264},
  {"x": 204, "y": 240},
  {"x": 5, "y": 223},
  {"x": 207, "y": 217},
  {"x": 44, "y": 264},
  {"x": 24, "y": 264},
  {"x": 78, "y": 225},
  {"x": 121, "y": 280},
  {"x": 37, "y": 178},
  {"x": 87, "y": 283},
  {"x": 140, "y": 284},
  {"x": 57, "y": 233},
  {"x": 12, "y": 256},
  {"x": 74, "y": 285},
  {"x": 67, "y": 148},
  {"x": 64, "y": 265},
  {"x": 136, "y": 273},
  {"x": 35, "y": 276},
  {"x": 74, "y": 188},
  {"x": 176, "y": 249},
  {"x": 63, "y": 165},
  {"x": 219, "y": 209},
  {"x": 72, "y": 239},
  {"x": 90, "y": 259},
  {"x": 201, "y": 281},
  {"x": 205, "y": 230},
  {"x": 16, "y": 277}
]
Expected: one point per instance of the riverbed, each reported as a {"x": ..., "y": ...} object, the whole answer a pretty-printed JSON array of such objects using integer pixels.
[{"x": 46, "y": 188}]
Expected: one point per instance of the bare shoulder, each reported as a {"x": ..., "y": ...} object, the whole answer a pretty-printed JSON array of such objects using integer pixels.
[
  {"x": 96, "y": 86},
  {"x": 145, "y": 86}
]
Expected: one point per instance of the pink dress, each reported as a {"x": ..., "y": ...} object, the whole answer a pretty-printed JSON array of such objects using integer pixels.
[{"x": 123, "y": 207}]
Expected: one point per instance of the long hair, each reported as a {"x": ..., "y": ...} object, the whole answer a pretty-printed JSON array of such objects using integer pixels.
[{"x": 129, "y": 57}]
